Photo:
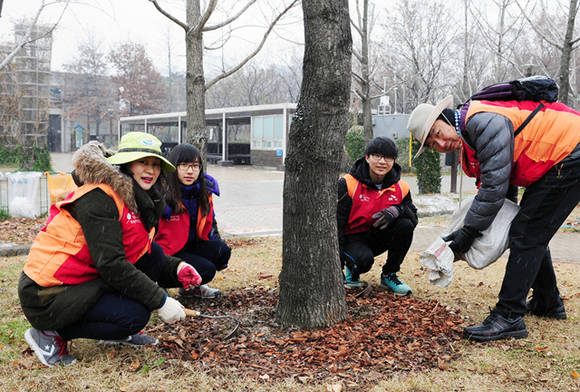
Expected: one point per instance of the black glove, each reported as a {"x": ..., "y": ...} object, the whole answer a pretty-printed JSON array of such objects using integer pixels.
[
  {"x": 462, "y": 239},
  {"x": 385, "y": 216}
]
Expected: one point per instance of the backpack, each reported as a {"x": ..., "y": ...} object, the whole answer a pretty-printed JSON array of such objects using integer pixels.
[{"x": 532, "y": 88}]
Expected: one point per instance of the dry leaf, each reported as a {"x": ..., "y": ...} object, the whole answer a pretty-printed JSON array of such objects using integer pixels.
[
  {"x": 135, "y": 365},
  {"x": 265, "y": 377},
  {"x": 541, "y": 348},
  {"x": 333, "y": 387},
  {"x": 574, "y": 374},
  {"x": 111, "y": 354}
]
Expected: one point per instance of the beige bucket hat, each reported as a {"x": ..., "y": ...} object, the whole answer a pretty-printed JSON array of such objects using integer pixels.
[{"x": 423, "y": 117}]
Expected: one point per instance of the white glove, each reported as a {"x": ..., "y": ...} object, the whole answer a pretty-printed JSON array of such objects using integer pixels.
[{"x": 171, "y": 311}]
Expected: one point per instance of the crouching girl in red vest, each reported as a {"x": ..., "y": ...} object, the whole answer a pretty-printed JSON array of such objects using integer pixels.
[
  {"x": 188, "y": 229},
  {"x": 93, "y": 271}
]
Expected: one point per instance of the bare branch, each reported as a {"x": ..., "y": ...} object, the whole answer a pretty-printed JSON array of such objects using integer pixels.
[
  {"x": 357, "y": 93},
  {"x": 255, "y": 52},
  {"x": 27, "y": 39},
  {"x": 358, "y": 78},
  {"x": 168, "y": 15},
  {"x": 540, "y": 33},
  {"x": 230, "y": 20},
  {"x": 196, "y": 30},
  {"x": 357, "y": 55}
]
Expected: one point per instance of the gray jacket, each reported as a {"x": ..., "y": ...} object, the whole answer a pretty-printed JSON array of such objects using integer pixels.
[{"x": 491, "y": 135}]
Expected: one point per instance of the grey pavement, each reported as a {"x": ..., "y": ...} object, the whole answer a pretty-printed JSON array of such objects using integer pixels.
[{"x": 251, "y": 205}]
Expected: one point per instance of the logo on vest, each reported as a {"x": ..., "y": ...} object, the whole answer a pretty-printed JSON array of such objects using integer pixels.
[
  {"x": 132, "y": 218},
  {"x": 393, "y": 198},
  {"x": 364, "y": 198}
]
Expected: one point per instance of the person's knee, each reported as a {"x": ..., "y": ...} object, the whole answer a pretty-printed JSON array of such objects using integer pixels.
[
  {"x": 404, "y": 226},
  {"x": 224, "y": 255},
  {"x": 137, "y": 319}
]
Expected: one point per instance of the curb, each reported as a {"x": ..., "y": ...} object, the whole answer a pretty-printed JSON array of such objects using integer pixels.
[{"x": 9, "y": 250}]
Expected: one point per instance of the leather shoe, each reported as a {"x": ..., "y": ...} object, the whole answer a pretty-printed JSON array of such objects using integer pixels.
[
  {"x": 557, "y": 311},
  {"x": 496, "y": 327}
]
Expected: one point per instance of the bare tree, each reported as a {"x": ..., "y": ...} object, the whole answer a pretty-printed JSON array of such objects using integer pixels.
[
  {"x": 195, "y": 25},
  {"x": 311, "y": 290},
  {"x": 564, "y": 41},
  {"x": 32, "y": 35},
  {"x": 93, "y": 93},
  {"x": 421, "y": 38},
  {"x": 363, "y": 75},
  {"x": 140, "y": 84}
]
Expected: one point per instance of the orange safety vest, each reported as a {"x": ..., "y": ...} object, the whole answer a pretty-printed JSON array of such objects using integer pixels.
[
  {"x": 550, "y": 137},
  {"x": 174, "y": 232},
  {"x": 366, "y": 201},
  {"x": 59, "y": 254}
]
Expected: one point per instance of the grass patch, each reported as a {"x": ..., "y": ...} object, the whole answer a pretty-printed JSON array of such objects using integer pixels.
[{"x": 544, "y": 361}]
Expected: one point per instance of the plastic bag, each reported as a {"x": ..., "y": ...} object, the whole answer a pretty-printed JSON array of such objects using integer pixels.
[
  {"x": 486, "y": 249},
  {"x": 23, "y": 194},
  {"x": 60, "y": 185}
]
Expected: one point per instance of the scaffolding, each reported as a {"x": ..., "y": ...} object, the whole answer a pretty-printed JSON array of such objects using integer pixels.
[{"x": 25, "y": 88}]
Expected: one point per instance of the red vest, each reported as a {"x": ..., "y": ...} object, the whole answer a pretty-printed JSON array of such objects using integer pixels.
[
  {"x": 174, "y": 232},
  {"x": 366, "y": 201},
  {"x": 551, "y": 135},
  {"x": 59, "y": 254}
]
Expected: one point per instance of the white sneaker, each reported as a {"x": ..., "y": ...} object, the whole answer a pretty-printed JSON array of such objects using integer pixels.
[{"x": 203, "y": 291}]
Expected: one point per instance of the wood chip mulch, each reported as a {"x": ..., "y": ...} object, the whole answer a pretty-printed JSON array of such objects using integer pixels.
[
  {"x": 383, "y": 334},
  {"x": 20, "y": 230}
]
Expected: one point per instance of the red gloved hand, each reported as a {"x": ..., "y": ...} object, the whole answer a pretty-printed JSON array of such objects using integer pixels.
[{"x": 188, "y": 276}]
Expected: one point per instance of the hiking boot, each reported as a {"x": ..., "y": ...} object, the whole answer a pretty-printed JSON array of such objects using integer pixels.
[
  {"x": 351, "y": 280},
  {"x": 391, "y": 282},
  {"x": 496, "y": 327},
  {"x": 136, "y": 340},
  {"x": 203, "y": 291},
  {"x": 49, "y": 347},
  {"x": 537, "y": 308}
]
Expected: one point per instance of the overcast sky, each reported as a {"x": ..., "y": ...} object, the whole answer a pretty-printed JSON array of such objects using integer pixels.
[{"x": 112, "y": 21}]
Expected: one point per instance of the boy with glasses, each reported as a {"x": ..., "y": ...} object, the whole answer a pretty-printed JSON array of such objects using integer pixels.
[{"x": 375, "y": 213}]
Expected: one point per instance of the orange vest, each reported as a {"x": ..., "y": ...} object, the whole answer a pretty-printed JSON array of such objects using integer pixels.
[
  {"x": 550, "y": 137},
  {"x": 174, "y": 232},
  {"x": 366, "y": 201},
  {"x": 59, "y": 254}
]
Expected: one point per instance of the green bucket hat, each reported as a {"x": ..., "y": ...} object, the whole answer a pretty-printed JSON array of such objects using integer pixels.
[{"x": 137, "y": 145}]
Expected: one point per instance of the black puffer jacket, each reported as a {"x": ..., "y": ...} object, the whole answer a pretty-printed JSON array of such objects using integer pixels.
[
  {"x": 52, "y": 308},
  {"x": 360, "y": 171}
]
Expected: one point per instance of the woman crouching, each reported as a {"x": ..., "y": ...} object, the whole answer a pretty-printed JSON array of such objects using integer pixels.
[{"x": 93, "y": 271}]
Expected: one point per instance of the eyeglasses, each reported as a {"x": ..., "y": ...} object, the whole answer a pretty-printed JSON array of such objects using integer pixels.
[
  {"x": 189, "y": 166},
  {"x": 378, "y": 157}
]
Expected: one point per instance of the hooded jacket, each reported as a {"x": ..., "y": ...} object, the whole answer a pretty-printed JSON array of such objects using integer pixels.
[
  {"x": 360, "y": 172},
  {"x": 53, "y": 306}
]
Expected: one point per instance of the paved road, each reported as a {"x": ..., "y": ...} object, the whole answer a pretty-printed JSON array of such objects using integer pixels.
[{"x": 251, "y": 204}]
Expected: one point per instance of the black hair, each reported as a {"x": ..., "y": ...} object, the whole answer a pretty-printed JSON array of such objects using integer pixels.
[
  {"x": 382, "y": 146},
  {"x": 185, "y": 153},
  {"x": 448, "y": 116}
]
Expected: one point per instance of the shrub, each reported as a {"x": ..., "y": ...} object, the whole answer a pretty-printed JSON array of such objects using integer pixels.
[
  {"x": 355, "y": 144},
  {"x": 28, "y": 159},
  {"x": 428, "y": 167}
]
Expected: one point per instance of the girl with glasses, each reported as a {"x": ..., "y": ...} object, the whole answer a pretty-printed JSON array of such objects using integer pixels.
[{"x": 188, "y": 229}]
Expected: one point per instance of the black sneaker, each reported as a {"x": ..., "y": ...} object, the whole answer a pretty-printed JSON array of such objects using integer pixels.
[
  {"x": 49, "y": 347},
  {"x": 557, "y": 311},
  {"x": 496, "y": 327},
  {"x": 136, "y": 340}
]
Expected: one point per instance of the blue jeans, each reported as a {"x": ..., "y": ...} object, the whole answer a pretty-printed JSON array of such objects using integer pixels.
[
  {"x": 115, "y": 316},
  {"x": 544, "y": 207}
]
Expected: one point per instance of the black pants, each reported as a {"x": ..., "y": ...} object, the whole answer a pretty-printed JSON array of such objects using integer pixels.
[
  {"x": 362, "y": 248},
  {"x": 544, "y": 207},
  {"x": 206, "y": 257}
]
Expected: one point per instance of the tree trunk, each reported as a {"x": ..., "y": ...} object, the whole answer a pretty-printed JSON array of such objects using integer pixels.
[
  {"x": 366, "y": 85},
  {"x": 566, "y": 53},
  {"x": 195, "y": 81},
  {"x": 311, "y": 290}
]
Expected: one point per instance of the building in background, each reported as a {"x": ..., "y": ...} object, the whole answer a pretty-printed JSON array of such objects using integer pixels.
[
  {"x": 25, "y": 88},
  {"x": 244, "y": 134}
]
